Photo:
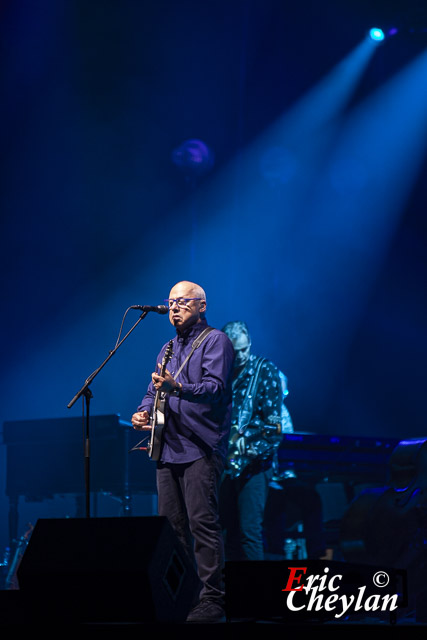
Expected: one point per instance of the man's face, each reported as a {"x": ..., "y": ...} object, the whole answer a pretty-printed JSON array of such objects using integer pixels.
[
  {"x": 242, "y": 350},
  {"x": 184, "y": 315}
]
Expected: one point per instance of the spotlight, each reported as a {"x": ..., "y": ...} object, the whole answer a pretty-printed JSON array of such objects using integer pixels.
[{"x": 376, "y": 34}]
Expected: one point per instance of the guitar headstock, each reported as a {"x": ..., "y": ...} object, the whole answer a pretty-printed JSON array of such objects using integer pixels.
[
  {"x": 166, "y": 357},
  {"x": 168, "y": 353}
]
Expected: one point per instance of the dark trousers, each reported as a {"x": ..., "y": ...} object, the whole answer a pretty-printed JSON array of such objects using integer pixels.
[
  {"x": 242, "y": 505},
  {"x": 188, "y": 497}
]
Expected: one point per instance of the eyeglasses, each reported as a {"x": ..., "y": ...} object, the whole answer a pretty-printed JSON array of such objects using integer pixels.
[{"x": 181, "y": 302}]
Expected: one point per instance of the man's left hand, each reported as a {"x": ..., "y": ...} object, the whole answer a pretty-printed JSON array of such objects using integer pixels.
[{"x": 164, "y": 383}]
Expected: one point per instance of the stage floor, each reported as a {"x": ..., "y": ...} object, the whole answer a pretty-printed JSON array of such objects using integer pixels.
[{"x": 14, "y": 613}]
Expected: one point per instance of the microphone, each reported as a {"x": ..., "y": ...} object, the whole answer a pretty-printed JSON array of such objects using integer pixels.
[{"x": 161, "y": 308}]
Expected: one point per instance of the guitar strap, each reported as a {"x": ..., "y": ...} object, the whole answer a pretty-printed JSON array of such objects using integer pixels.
[
  {"x": 196, "y": 344},
  {"x": 245, "y": 413}
]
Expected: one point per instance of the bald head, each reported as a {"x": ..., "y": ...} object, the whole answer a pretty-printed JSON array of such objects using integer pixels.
[{"x": 193, "y": 290}]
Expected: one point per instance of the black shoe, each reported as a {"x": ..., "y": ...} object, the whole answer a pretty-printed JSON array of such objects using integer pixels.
[{"x": 207, "y": 611}]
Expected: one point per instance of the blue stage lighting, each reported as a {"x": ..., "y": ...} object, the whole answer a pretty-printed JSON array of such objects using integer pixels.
[{"x": 376, "y": 34}]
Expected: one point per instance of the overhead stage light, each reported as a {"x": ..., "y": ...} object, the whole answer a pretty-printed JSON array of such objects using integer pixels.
[
  {"x": 376, "y": 34},
  {"x": 194, "y": 157}
]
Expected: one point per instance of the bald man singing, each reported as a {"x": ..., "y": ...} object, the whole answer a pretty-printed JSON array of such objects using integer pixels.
[{"x": 197, "y": 387}]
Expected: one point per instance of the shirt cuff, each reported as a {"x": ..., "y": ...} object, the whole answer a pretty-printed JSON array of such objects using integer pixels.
[{"x": 177, "y": 391}]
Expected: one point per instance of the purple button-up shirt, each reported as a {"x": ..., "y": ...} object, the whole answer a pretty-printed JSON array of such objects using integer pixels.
[{"x": 198, "y": 422}]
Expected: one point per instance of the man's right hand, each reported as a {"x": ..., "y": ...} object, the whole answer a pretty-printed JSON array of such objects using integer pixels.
[{"x": 141, "y": 420}]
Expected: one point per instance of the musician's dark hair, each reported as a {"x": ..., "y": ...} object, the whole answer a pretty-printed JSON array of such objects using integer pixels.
[{"x": 235, "y": 329}]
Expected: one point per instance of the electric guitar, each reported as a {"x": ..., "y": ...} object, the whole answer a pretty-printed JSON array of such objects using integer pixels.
[
  {"x": 157, "y": 417},
  {"x": 261, "y": 440}
]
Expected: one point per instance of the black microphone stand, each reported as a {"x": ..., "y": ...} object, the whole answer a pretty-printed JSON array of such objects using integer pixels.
[{"x": 86, "y": 392}]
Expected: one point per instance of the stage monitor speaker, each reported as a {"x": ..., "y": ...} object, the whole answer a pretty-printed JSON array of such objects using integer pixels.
[{"x": 130, "y": 569}]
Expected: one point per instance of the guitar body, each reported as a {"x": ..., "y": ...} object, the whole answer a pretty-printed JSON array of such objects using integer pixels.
[
  {"x": 157, "y": 418},
  {"x": 258, "y": 447},
  {"x": 157, "y": 422}
]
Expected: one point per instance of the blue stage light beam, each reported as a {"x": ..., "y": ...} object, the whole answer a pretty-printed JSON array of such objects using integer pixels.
[
  {"x": 352, "y": 214},
  {"x": 319, "y": 107}
]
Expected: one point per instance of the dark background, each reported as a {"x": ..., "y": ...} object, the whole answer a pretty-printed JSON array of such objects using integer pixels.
[{"x": 309, "y": 224}]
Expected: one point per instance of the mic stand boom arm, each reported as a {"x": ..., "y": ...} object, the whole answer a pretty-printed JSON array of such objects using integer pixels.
[{"x": 86, "y": 392}]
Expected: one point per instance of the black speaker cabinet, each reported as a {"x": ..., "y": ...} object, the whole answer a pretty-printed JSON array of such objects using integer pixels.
[{"x": 107, "y": 570}]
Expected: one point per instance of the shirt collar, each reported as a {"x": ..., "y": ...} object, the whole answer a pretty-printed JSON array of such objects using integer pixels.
[{"x": 192, "y": 332}]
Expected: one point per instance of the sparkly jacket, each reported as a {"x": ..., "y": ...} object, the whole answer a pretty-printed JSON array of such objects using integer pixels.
[{"x": 259, "y": 417}]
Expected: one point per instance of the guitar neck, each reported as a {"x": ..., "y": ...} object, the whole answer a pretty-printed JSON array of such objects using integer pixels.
[
  {"x": 262, "y": 429},
  {"x": 162, "y": 371}
]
